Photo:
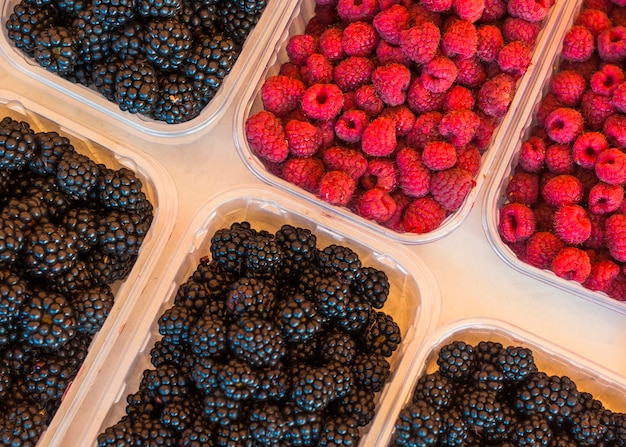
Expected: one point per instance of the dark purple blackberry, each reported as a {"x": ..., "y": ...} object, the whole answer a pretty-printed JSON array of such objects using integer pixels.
[
  {"x": 533, "y": 431},
  {"x": 72, "y": 7},
  {"x": 300, "y": 352},
  {"x": 357, "y": 316},
  {"x": 17, "y": 143},
  {"x": 77, "y": 175},
  {"x": 208, "y": 336},
  {"x": 166, "y": 383},
  {"x": 50, "y": 147},
  {"x": 25, "y": 423},
  {"x": 251, "y": 6},
  {"x": 13, "y": 292},
  {"x": 313, "y": 389},
  {"x": 47, "y": 190},
  {"x": 159, "y": 8},
  {"x": 343, "y": 378},
  {"x": 5, "y": 381},
  {"x": 298, "y": 319},
  {"x": 337, "y": 346},
  {"x": 236, "y": 434},
  {"x": 47, "y": 379},
  {"x": 136, "y": 85},
  {"x": 165, "y": 351},
  {"x": 563, "y": 439},
  {"x": 127, "y": 40},
  {"x": 372, "y": 285},
  {"x": 303, "y": 427},
  {"x": 371, "y": 371},
  {"x": 215, "y": 279},
  {"x": 175, "y": 324},
  {"x": 121, "y": 233},
  {"x": 26, "y": 22},
  {"x": 256, "y": 341},
  {"x": 381, "y": 335},
  {"x": 107, "y": 268},
  {"x": 516, "y": 363},
  {"x": 47, "y": 320},
  {"x": 24, "y": 212},
  {"x": 298, "y": 246},
  {"x": 49, "y": 251},
  {"x": 359, "y": 404},
  {"x": 220, "y": 410},
  {"x": 262, "y": 253},
  {"x": 267, "y": 424},
  {"x": 250, "y": 296},
  {"x": 435, "y": 389},
  {"x": 151, "y": 432},
  {"x": 178, "y": 101},
  {"x": 92, "y": 36},
  {"x": 56, "y": 49},
  {"x": 331, "y": 297},
  {"x": 339, "y": 261},
  {"x": 76, "y": 278},
  {"x": 180, "y": 415},
  {"x": 235, "y": 22},
  {"x": 588, "y": 428},
  {"x": 92, "y": 306},
  {"x": 227, "y": 246},
  {"x": 84, "y": 222},
  {"x": 418, "y": 424},
  {"x": 11, "y": 242},
  {"x": 456, "y": 360},
  {"x": 166, "y": 43},
  {"x": 17, "y": 355},
  {"x": 237, "y": 380},
  {"x": 195, "y": 296},
  {"x": 140, "y": 404},
  {"x": 454, "y": 430},
  {"x": 204, "y": 375},
  {"x": 82, "y": 73},
  {"x": 481, "y": 408},
  {"x": 273, "y": 384},
  {"x": 339, "y": 432},
  {"x": 74, "y": 352},
  {"x": 199, "y": 16},
  {"x": 114, "y": 13},
  {"x": 488, "y": 377},
  {"x": 487, "y": 352},
  {"x": 197, "y": 435}
]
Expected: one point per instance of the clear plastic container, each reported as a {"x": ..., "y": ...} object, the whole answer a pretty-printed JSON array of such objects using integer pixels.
[
  {"x": 250, "y": 56},
  {"x": 602, "y": 383},
  {"x": 414, "y": 300},
  {"x": 495, "y": 193},
  {"x": 160, "y": 190},
  {"x": 251, "y": 103}
]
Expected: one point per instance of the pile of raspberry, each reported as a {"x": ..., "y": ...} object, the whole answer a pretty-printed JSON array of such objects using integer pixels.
[
  {"x": 385, "y": 107},
  {"x": 565, "y": 208}
]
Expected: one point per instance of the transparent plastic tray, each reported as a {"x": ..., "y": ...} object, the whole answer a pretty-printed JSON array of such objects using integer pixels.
[
  {"x": 250, "y": 56},
  {"x": 495, "y": 193},
  {"x": 414, "y": 300},
  {"x": 160, "y": 190},
  {"x": 603, "y": 384},
  {"x": 251, "y": 103}
]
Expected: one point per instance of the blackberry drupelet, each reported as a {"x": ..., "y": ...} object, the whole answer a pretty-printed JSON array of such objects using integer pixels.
[
  {"x": 11, "y": 242},
  {"x": 298, "y": 246},
  {"x": 92, "y": 36},
  {"x": 77, "y": 175},
  {"x": 121, "y": 233},
  {"x": 49, "y": 250},
  {"x": 337, "y": 346},
  {"x": 50, "y": 147},
  {"x": 136, "y": 85},
  {"x": 56, "y": 49},
  {"x": 175, "y": 324},
  {"x": 371, "y": 371},
  {"x": 237, "y": 380},
  {"x": 13, "y": 292},
  {"x": 178, "y": 101},
  {"x": 516, "y": 363},
  {"x": 418, "y": 424},
  {"x": 166, "y": 43},
  {"x": 435, "y": 389},
  {"x": 227, "y": 246},
  {"x": 313, "y": 389},
  {"x": 372, "y": 285},
  {"x": 340, "y": 261},
  {"x": 534, "y": 431},
  {"x": 17, "y": 143},
  {"x": 114, "y": 13},
  {"x": 298, "y": 319},
  {"x": 26, "y": 22},
  {"x": 209, "y": 336},
  {"x": 250, "y": 296},
  {"x": 47, "y": 320},
  {"x": 331, "y": 297},
  {"x": 93, "y": 306},
  {"x": 381, "y": 335},
  {"x": 256, "y": 341},
  {"x": 84, "y": 222},
  {"x": 456, "y": 360},
  {"x": 158, "y": 8},
  {"x": 340, "y": 432}
]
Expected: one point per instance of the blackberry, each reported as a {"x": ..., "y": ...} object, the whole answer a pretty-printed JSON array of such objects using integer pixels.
[
  {"x": 359, "y": 404},
  {"x": 166, "y": 383},
  {"x": 179, "y": 415},
  {"x": 158, "y": 8},
  {"x": 454, "y": 430},
  {"x": 141, "y": 404},
  {"x": 13, "y": 292},
  {"x": 47, "y": 379},
  {"x": 456, "y": 360},
  {"x": 481, "y": 408},
  {"x": 136, "y": 85},
  {"x": 76, "y": 278},
  {"x": 251, "y": 6},
  {"x": 516, "y": 363},
  {"x": 17, "y": 355},
  {"x": 227, "y": 246},
  {"x": 17, "y": 143},
  {"x": 197, "y": 435},
  {"x": 47, "y": 190},
  {"x": 74, "y": 352},
  {"x": 256, "y": 341},
  {"x": 77, "y": 175},
  {"x": 435, "y": 389},
  {"x": 220, "y": 410},
  {"x": 82, "y": 73},
  {"x": 313, "y": 389},
  {"x": 27, "y": 21},
  {"x": 72, "y": 7},
  {"x": 236, "y": 434},
  {"x": 371, "y": 371},
  {"x": 215, "y": 279},
  {"x": 47, "y": 320},
  {"x": 373, "y": 285},
  {"x": 381, "y": 335},
  {"x": 303, "y": 427},
  {"x": 166, "y": 43},
  {"x": 50, "y": 148},
  {"x": 93, "y": 306},
  {"x": 236, "y": 380},
  {"x": 83, "y": 222},
  {"x": 298, "y": 319},
  {"x": 488, "y": 377},
  {"x": 208, "y": 336},
  {"x": 204, "y": 375},
  {"x": 194, "y": 295},
  {"x": 273, "y": 384},
  {"x": 92, "y": 36},
  {"x": 267, "y": 424},
  {"x": 563, "y": 439},
  {"x": 49, "y": 251},
  {"x": 337, "y": 346},
  {"x": 178, "y": 101},
  {"x": 165, "y": 351},
  {"x": 56, "y": 49},
  {"x": 121, "y": 233},
  {"x": 107, "y": 268},
  {"x": 199, "y": 16},
  {"x": 262, "y": 253},
  {"x": 331, "y": 297},
  {"x": 175, "y": 324},
  {"x": 357, "y": 315},
  {"x": 235, "y": 22},
  {"x": 588, "y": 428},
  {"x": 418, "y": 424},
  {"x": 250, "y": 296},
  {"x": 11, "y": 242},
  {"x": 151, "y": 432},
  {"x": 340, "y": 261},
  {"x": 298, "y": 247},
  {"x": 5, "y": 381},
  {"x": 25, "y": 423},
  {"x": 114, "y": 13},
  {"x": 487, "y": 352},
  {"x": 24, "y": 212},
  {"x": 534, "y": 431},
  {"x": 127, "y": 40},
  {"x": 339, "y": 432}
]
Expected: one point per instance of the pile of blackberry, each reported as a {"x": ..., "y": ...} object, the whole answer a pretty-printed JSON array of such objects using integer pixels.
[
  {"x": 58, "y": 261},
  {"x": 271, "y": 341},
  {"x": 163, "y": 59},
  {"x": 491, "y": 395}
]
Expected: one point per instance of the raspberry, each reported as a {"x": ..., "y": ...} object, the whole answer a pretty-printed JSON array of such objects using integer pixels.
[
  {"x": 546, "y": 105},
  {"x": 281, "y": 94},
  {"x": 572, "y": 263},
  {"x": 531, "y": 10},
  {"x": 439, "y": 74},
  {"x": 439, "y": 155},
  {"x": 355, "y": 10},
  {"x": 391, "y": 82},
  {"x": 425, "y": 129},
  {"x": 450, "y": 187},
  {"x": 379, "y": 137},
  {"x": 319, "y": 69},
  {"x": 470, "y": 10},
  {"x": 304, "y": 172},
  {"x": 514, "y": 58},
  {"x": 420, "y": 14},
  {"x": 471, "y": 73},
  {"x": 387, "y": 54},
  {"x": 571, "y": 224},
  {"x": 382, "y": 174},
  {"x": 606, "y": 80},
  {"x": 615, "y": 236},
  {"x": 391, "y": 22},
  {"x": 617, "y": 288},
  {"x": 532, "y": 154},
  {"x": 420, "y": 100},
  {"x": 614, "y": 130},
  {"x": 564, "y": 125},
  {"x": 586, "y": 148},
  {"x": 367, "y": 100},
  {"x": 602, "y": 274},
  {"x": 610, "y": 166},
  {"x": 495, "y": 96},
  {"x": 351, "y": 161},
  {"x": 266, "y": 136},
  {"x": 359, "y": 39},
  {"x": 544, "y": 216},
  {"x": 594, "y": 20},
  {"x": 459, "y": 126},
  {"x": 562, "y": 190},
  {"x": 423, "y": 215},
  {"x": 469, "y": 158},
  {"x": 420, "y": 43},
  {"x": 568, "y": 86},
  {"x": 437, "y": 5},
  {"x": 329, "y": 44},
  {"x": 586, "y": 68},
  {"x": 300, "y": 47},
  {"x": 519, "y": 29},
  {"x": 596, "y": 109},
  {"x": 559, "y": 159},
  {"x": 458, "y": 97},
  {"x": 612, "y": 44},
  {"x": 602, "y": 5},
  {"x": 459, "y": 40},
  {"x": 336, "y": 187},
  {"x": 517, "y": 222},
  {"x": 350, "y": 125},
  {"x": 414, "y": 178},
  {"x": 494, "y": 10},
  {"x": 376, "y": 204},
  {"x": 523, "y": 187},
  {"x": 578, "y": 44},
  {"x": 541, "y": 249},
  {"x": 605, "y": 198},
  {"x": 486, "y": 128},
  {"x": 322, "y": 101},
  {"x": 303, "y": 138},
  {"x": 619, "y": 97},
  {"x": 353, "y": 72},
  {"x": 490, "y": 42},
  {"x": 402, "y": 117}
]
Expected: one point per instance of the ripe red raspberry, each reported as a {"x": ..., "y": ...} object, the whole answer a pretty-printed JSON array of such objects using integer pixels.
[
  {"x": 437, "y": 5},
  {"x": 350, "y": 125},
  {"x": 531, "y": 10},
  {"x": 578, "y": 44},
  {"x": 568, "y": 86},
  {"x": 300, "y": 47},
  {"x": 359, "y": 39},
  {"x": 458, "y": 97},
  {"x": 532, "y": 154},
  {"x": 439, "y": 74},
  {"x": 605, "y": 198},
  {"x": 379, "y": 137},
  {"x": 523, "y": 187},
  {"x": 515, "y": 28},
  {"x": 355, "y": 10},
  {"x": 402, "y": 117},
  {"x": 303, "y": 138},
  {"x": 542, "y": 248},
  {"x": 266, "y": 136},
  {"x": 619, "y": 97},
  {"x": 514, "y": 58},
  {"x": 377, "y": 205},
  {"x": 290, "y": 70},
  {"x": 494, "y": 10},
  {"x": 484, "y": 132},
  {"x": 606, "y": 80},
  {"x": 490, "y": 42},
  {"x": 602, "y": 5},
  {"x": 368, "y": 100},
  {"x": 304, "y": 172},
  {"x": 572, "y": 263},
  {"x": 562, "y": 190},
  {"x": 414, "y": 177},
  {"x": 328, "y": 132},
  {"x": 517, "y": 222},
  {"x": 392, "y": 82},
  {"x": 353, "y": 72},
  {"x": 388, "y": 54},
  {"x": 459, "y": 40},
  {"x": 319, "y": 69},
  {"x": 615, "y": 235},
  {"x": 471, "y": 73},
  {"x": 602, "y": 274},
  {"x": 382, "y": 173},
  {"x": 469, "y": 158},
  {"x": 470, "y": 10},
  {"x": 586, "y": 148},
  {"x": 450, "y": 187},
  {"x": 423, "y": 215},
  {"x": 495, "y": 96},
  {"x": 544, "y": 216},
  {"x": 336, "y": 187},
  {"x": 459, "y": 126},
  {"x": 559, "y": 159},
  {"x": 351, "y": 161},
  {"x": 571, "y": 224},
  {"x": 596, "y": 109},
  {"x": 281, "y": 94},
  {"x": 594, "y": 20},
  {"x": 617, "y": 288},
  {"x": 420, "y": 100},
  {"x": 424, "y": 130},
  {"x": 612, "y": 44},
  {"x": 322, "y": 101},
  {"x": 420, "y": 43},
  {"x": 330, "y": 44},
  {"x": 439, "y": 155},
  {"x": 391, "y": 22},
  {"x": 586, "y": 68},
  {"x": 614, "y": 129},
  {"x": 420, "y": 14},
  {"x": 564, "y": 125},
  {"x": 610, "y": 166}
]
